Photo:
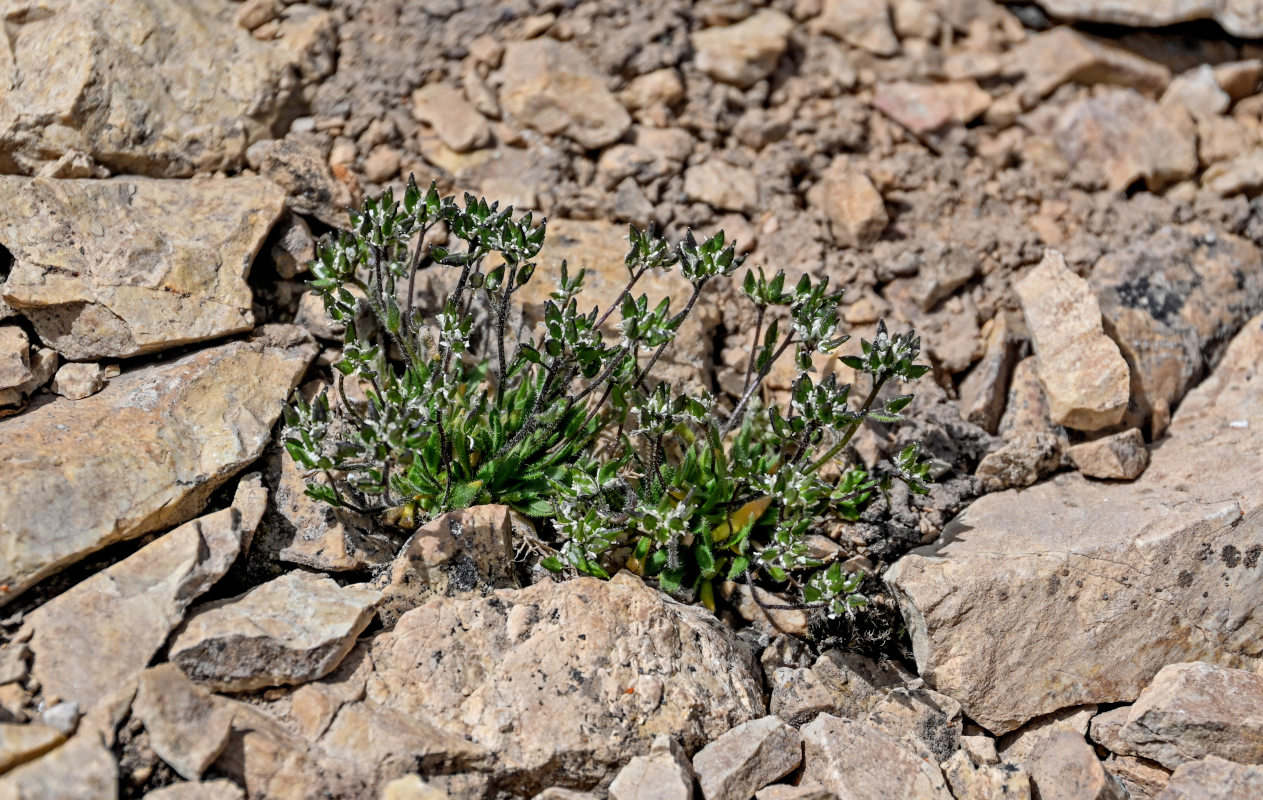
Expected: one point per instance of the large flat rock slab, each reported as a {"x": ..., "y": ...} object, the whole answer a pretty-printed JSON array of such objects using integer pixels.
[
  {"x": 1238, "y": 17},
  {"x": 143, "y": 454},
  {"x": 1076, "y": 591},
  {"x": 123, "y": 267}
]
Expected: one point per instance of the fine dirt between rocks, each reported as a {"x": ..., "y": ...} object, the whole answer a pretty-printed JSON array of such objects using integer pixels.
[{"x": 1062, "y": 197}]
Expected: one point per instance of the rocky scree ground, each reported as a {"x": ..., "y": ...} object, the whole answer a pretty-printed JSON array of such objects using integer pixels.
[{"x": 1061, "y": 197}]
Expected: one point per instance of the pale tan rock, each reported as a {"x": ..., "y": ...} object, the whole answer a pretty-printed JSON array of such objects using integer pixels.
[
  {"x": 926, "y": 108},
  {"x": 461, "y": 553},
  {"x": 1114, "y": 581},
  {"x": 100, "y": 634},
  {"x": 984, "y": 390},
  {"x": 15, "y": 357},
  {"x": 1063, "y": 55},
  {"x": 1119, "y": 456},
  {"x": 75, "y": 381},
  {"x": 663, "y": 774},
  {"x": 79, "y": 769},
  {"x": 554, "y": 88},
  {"x": 722, "y": 186},
  {"x": 188, "y": 727},
  {"x": 558, "y": 793},
  {"x": 747, "y": 758},
  {"x": 164, "y": 438},
  {"x": 300, "y": 168},
  {"x": 206, "y": 790},
  {"x": 861, "y": 23},
  {"x": 1064, "y": 767},
  {"x": 745, "y": 53},
  {"x": 256, "y": 13},
  {"x": 1198, "y": 92},
  {"x": 127, "y": 273},
  {"x": 145, "y": 88},
  {"x": 457, "y": 123},
  {"x": 1241, "y": 175},
  {"x": 290, "y": 630},
  {"x": 915, "y": 19},
  {"x": 1160, "y": 150},
  {"x": 803, "y": 791},
  {"x": 853, "y": 206},
  {"x": 659, "y": 87},
  {"x": 1082, "y": 371},
  {"x": 20, "y": 743},
  {"x": 1238, "y": 17},
  {"x": 970, "y": 781},
  {"x": 1026, "y": 408},
  {"x": 841, "y": 755},
  {"x": 1239, "y": 79},
  {"x": 412, "y": 787},
  {"x": 1223, "y": 139},
  {"x": 1213, "y": 778},
  {"x": 382, "y": 164},
  {"x": 1194, "y": 710},
  {"x": 1105, "y": 727},
  {"x": 293, "y": 246},
  {"x": 1021, "y": 461},
  {"x": 751, "y": 608},
  {"x": 981, "y": 749},
  {"x": 1143, "y": 779},
  {"x": 1018, "y": 746}
]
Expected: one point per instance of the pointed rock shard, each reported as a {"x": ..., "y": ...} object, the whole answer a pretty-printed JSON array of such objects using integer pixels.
[
  {"x": 664, "y": 774},
  {"x": 844, "y": 756},
  {"x": 163, "y": 438},
  {"x": 101, "y": 634},
  {"x": 80, "y": 768},
  {"x": 22, "y": 742},
  {"x": 118, "y": 268},
  {"x": 1086, "y": 590},
  {"x": 188, "y": 727},
  {"x": 1082, "y": 371},
  {"x": 747, "y": 758}
]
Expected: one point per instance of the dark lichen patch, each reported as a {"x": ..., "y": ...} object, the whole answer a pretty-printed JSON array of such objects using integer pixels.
[
  {"x": 1231, "y": 555},
  {"x": 1160, "y": 299},
  {"x": 1252, "y": 556},
  {"x": 1185, "y": 579}
]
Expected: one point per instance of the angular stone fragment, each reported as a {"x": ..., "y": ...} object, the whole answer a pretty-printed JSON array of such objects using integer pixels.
[
  {"x": 855, "y": 209},
  {"x": 208, "y": 790},
  {"x": 1065, "y": 767},
  {"x": 412, "y": 787},
  {"x": 290, "y": 630},
  {"x": 1160, "y": 150},
  {"x": 1087, "y": 590},
  {"x": 20, "y": 743},
  {"x": 1239, "y": 79},
  {"x": 460, "y": 553},
  {"x": 1063, "y": 55},
  {"x": 745, "y": 53},
  {"x": 861, "y": 23},
  {"x": 1119, "y": 456},
  {"x": 15, "y": 357},
  {"x": 1195, "y": 710},
  {"x": 158, "y": 89},
  {"x": 115, "y": 268},
  {"x": 843, "y": 756},
  {"x": 301, "y": 169},
  {"x": 79, "y": 769},
  {"x": 664, "y": 774},
  {"x": 188, "y": 728},
  {"x": 1021, "y": 461},
  {"x": 1198, "y": 92},
  {"x": 164, "y": 438},
  {"x": 803, "y": 791},
  {"x": 1020, "y": 745},
  {"x": 970, "y": 781},
  {"x": 1143, "y": 779},
  {"x": 1214, "y": 778},
  {"x": 924, "y": 109},
  {"x": 1238, "y": 17},
  {"x": 99, "y": 635},
  {"x": 983, "y": 392},
  {"x": 1105, "y": 727},
  {"x": 75, "y": 381},
  {"x": 1240, "y": 175},
  {"x": 1083, "y": 374},
  {"x": 722, "y": 186},
  {"x": 747, "y": 758},
  {"x": 457, "y": 123},
  {"x": 554, "y": 88}
]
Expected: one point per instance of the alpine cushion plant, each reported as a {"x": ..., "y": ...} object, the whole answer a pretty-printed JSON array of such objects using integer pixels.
[{"x": 567, "y": 424}]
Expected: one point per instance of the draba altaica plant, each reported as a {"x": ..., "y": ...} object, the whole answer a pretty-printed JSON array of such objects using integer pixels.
[{"x": 567, "y": 424}]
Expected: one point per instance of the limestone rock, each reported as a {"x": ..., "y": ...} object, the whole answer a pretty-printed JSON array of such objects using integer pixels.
[
  {"x": 208, "y": 790},
  {"x": 290, "y": 630},
  {"x": 970, "y": 781},
  {"x": 292, "y": 245},
  {"x": 1105, "y": 727},
  {"x": 722, "y": 186},
  {"x": 1026, "y": 408},
  {"x": 75, "y": 381},
  {"x": 1195, "y": 710},
  {"x": 1087, "y": 590},
  {"x": 1143, "y": 779},
  {"x": 457, "y": 554},
  {"x": 861, "y": 23},
  {"x": 745, "y": 53},
  {"x": 1213, "y": 778},
  {"x": 95, "y": 638},
  {"x": 188, "y": 728},
  {"x": 1239, "y": 79},
  {"x": 115, "y": 268},
  {"x": 15, "y": 357},
  {"x": 1083, "y": 374},
  {"x": 20, "y": 743},
  {"x": 412, "y": 787},
  {"x": 1119, "y": 456},
  {"x": 1063, "y": 55},
  {"x": 926, "y": 108},
  {"x": 1065, "y": 768},
  {"x": 985, "y": 388},
  {"x": 1021, "y": 461},
  {"x": 803, "y": 791},
  {"x": 1240, "y": 175},
  {"x": 1198, "y": 91},
  {"x": 164, "y": 438},
  {"x": 664, "y": 774},
  {"x": 152, "y": 88},
  {"x": 1018, "y": 747},
  {"x": 750, "y": 606},
  {"x": 457, "y": 123},
  {"x": 1172, "y": 299},
  {"x": 747, "y": 758},
  {"x": 80, "y": 768},
  {"x": 843, "y": 755},
  {"x": 1160, "y": 150},
  {"x": 1238, "y": 17},
  {"x": 301, "y": 169},
  {"x": 855, "y": 209},
  {"x": 554, "y": 88}
]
